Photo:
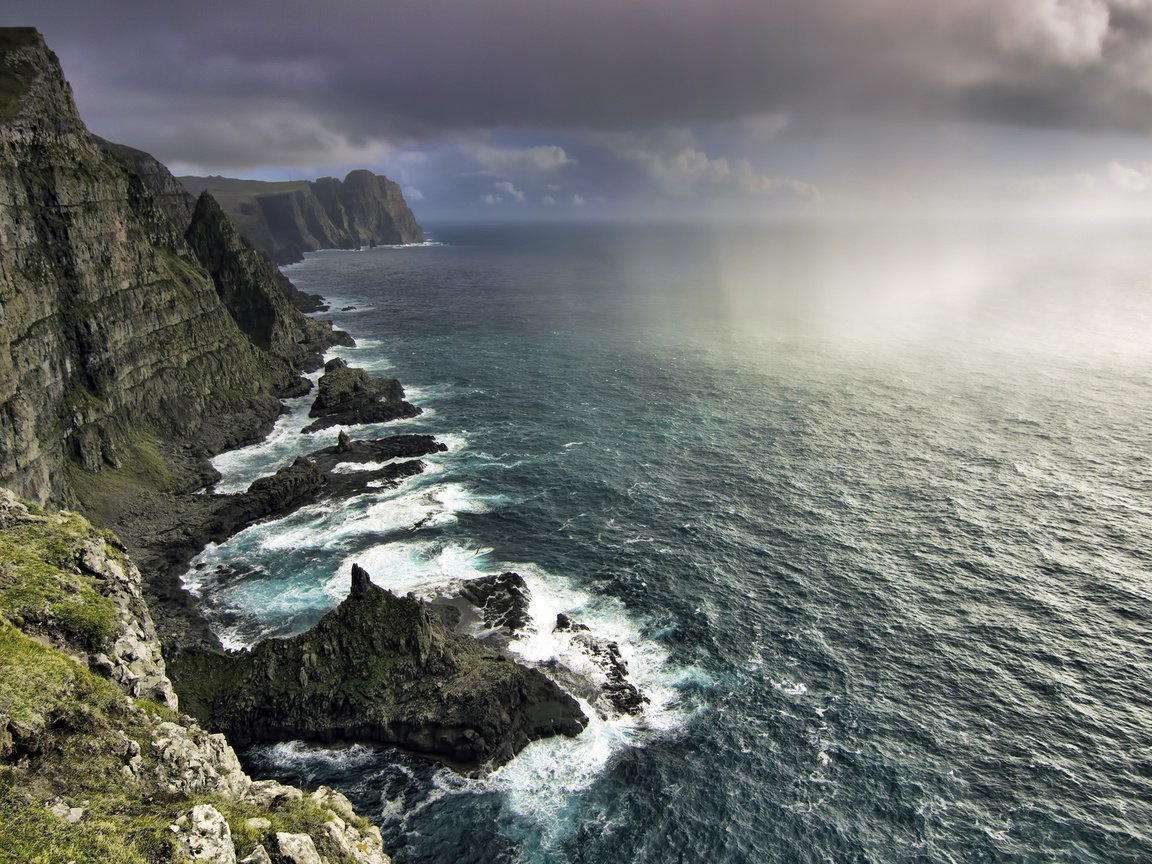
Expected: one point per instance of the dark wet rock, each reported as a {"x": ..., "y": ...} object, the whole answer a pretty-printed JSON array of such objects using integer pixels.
[
  {"x": 383, "y": 669},
  {"x": 347, "y": 451},
  {"x": 502, "y": 600},
  {"x": 615, "y": 694},
  {"x": 347, "y": 396},
  {"x": 300, "y": 387},
  {"x": 343, "y": 338},
  {"x": 566, "y": 624},
  {"x": 348, "y": 309},
  {"x": 166, "y": 531}
]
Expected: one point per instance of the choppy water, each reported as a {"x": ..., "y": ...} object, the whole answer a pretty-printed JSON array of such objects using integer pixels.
[{"x": 869, "y": 513}]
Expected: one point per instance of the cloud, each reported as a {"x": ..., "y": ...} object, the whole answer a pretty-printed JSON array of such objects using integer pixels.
[
  {"x": 1057, "y": 32},
  {"x": 412, "y": 194},
  {"x": 541, "y": 159},
  {"x": 1115, "y": 178},
  {"x": 505, "y": 192},
  {"x": 686, "y": 169},
  {"x": 619, "y": 65},
  {"x": 1130, "y": 178}
]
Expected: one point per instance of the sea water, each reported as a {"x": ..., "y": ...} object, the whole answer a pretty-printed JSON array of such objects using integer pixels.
[{"x": 869, "y": 513}]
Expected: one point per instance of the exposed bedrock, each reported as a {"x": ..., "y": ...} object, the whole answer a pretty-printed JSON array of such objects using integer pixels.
[
  {"x": 347, "y": 396},
  {"x": 378, "y": 668},
  {"x": 612, "y": 692},
  {"x": 502, "y": 600},
  {"x": 496, "y": 608}
]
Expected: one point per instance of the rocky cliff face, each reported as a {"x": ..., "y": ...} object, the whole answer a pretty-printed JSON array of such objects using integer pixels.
[
  {"x": 136, "y": 328},
  {"x": 287, "y": 219}
]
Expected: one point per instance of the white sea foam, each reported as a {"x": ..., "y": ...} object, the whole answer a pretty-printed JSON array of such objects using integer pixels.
[
  {"x": 298, "y": 754},
  {"x": 538, "y": 783}
]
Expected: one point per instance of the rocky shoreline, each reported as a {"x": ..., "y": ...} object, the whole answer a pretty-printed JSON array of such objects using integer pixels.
[
  {"x": 142, "y": 333},
  {"x": 312, "y": 687}
]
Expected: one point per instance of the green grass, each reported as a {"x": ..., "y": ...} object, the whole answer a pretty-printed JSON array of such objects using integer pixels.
[
  {"x": 63, "y": 727},
  {"x": 41, "y": 584},
  {"x": 143, "y": 469}
]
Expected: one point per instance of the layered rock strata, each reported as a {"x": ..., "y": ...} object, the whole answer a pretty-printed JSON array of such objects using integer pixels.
[
  {"x": 287, "y": 219},
  {"x": 138, "y": 331}
]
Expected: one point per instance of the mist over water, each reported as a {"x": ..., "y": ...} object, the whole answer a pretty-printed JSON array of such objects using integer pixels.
[{"x": 867, "y": 508}]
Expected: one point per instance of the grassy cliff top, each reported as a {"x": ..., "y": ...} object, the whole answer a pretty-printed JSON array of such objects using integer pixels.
[{"x": 86, "y": 772}]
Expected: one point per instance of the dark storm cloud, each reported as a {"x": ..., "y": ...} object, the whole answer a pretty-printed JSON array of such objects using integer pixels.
[{"x": 244, "y": 84}]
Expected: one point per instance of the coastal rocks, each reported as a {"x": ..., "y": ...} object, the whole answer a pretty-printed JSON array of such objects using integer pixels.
[
  {"x": 135, "y": 661},
  {"x": 351, "y": 467},
  {"x": 614, "y": 693},
  {"x": 128, "y": 649},
  {"x": 502, "y": 600},
  {"x": 379, "y": 668},
  {"x": 252, "y": 289},
  {"x": 190, "y": 762},
  {"x": 297, "y": 848},
  {"x": 202, "y": 836},
  {"x": 347, "y": 396}
]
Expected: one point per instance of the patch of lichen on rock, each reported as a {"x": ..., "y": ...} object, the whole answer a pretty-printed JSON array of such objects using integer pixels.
[{"x": 43, "y": 586}]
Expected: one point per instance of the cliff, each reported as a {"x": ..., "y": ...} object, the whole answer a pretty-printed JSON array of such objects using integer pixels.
[
  {"x": 287, "y": 219},
  {"x": 83, "y": 683},
  {"x": 138, "y": 331}
]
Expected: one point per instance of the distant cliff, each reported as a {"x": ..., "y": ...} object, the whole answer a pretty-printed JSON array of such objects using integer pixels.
[
  {"x": 287, "y": 219},
  {"x": 138, "y": 331}
]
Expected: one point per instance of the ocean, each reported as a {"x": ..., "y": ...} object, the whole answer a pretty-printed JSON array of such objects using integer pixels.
[{"x": 867, "y": 509}]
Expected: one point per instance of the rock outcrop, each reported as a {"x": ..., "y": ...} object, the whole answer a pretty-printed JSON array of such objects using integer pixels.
[
  {"x": 502, "y": 600},
  {"x": 347, "y": 396},
  {"x": 287, "y": 219},
  {"x": 384, "y": 669},
  {"x": 138, "y": 331},
  {"x": 612, "y": 692},
  {"x": 252, "y": 289}
]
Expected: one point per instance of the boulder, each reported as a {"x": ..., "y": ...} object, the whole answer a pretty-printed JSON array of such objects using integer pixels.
[
  {"x": 202, "y": 836},
  {"x": 347, "y": 396},
  {"x": 502, "y": 600}
]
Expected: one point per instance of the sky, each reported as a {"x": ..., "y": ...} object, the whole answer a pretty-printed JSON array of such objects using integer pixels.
[{"x": 500, "y": 109}]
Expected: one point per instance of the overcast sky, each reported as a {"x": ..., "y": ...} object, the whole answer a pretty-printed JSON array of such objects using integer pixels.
[{"x": 500, "y": 108}]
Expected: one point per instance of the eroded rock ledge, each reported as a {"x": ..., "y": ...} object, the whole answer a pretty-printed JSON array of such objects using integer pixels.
[{"x": 379, "y": 668}]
